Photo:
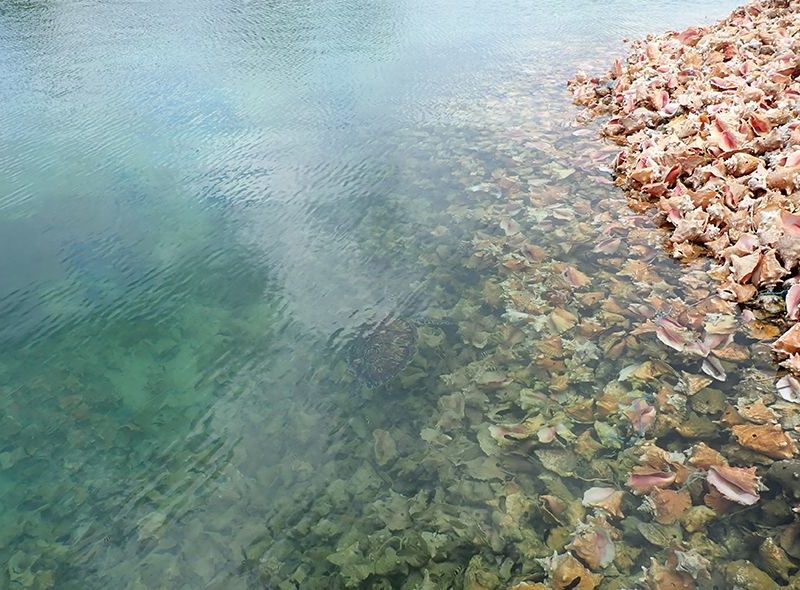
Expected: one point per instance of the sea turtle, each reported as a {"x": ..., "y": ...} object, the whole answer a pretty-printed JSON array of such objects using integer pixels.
[{"x": 380, "y": 351}]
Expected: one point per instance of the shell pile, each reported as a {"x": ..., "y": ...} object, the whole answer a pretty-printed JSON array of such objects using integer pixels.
[{"x": 709, "y": 124}]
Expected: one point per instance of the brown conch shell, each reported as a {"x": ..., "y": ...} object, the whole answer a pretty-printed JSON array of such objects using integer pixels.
[
  {"x": 767, "y": 439},
  {"x": 663, "y": 577},
  {"x": 718, "y": 503},
  {"x": 567, "y": 573},
  {"x": 669, "y": 505},
  {"x": 704, "y": 457}
]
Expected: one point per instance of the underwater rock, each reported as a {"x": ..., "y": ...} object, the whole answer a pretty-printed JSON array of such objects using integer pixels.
[
  {"x": 775, "y": 561},
  {"x": 698, "y": 518},
  {"x": 478, "y": 577},
  {"x": 660, "y": 535},
  {"x": 786, "y": 474},
  {"x": 789, "y": 540},
  {"x": 746, "y": 576}
]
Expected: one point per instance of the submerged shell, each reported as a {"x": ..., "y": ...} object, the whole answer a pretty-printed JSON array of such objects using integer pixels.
[{"x": 383, "y": 350}]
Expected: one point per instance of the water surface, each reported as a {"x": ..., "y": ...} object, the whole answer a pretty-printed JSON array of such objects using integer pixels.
[{"x": 200, "y": 204}]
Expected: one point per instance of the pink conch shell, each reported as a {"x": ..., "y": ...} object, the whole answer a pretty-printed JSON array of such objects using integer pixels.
[
  {"x": 659, "y": 98},
  {"x": 736, "y": 484},
  {"x": 616, "y": 70},
  {"x": 690, "y": 36},
  {"x": 673, "y": 334},
  {"x": 792, "y": 362},
  {"x": 760, "y": 125},
  {"x": 769, "y": 271},
  {"x": 721, "y": 135},
  {"x": 593, "y": 544},
  {"x": 793, "y": 159},
  {"x": 609, "y": 499},
  {"x": 724, "y": 83},
  {"x": 608, "y": 246},
  {"x": 644, "y": 480},
  {"x": 743, "y": 266},
  {"x": 741, "y": 163},
  {"x": 642, "y": 416},
  {"x": 793, "y": 302},
  {"x": 713, "y": 368},
  {"x": 744, "y": 245},
  {"x": 791, "y": 223},
  {"x": 789, "y": 245},
  {"x": 789, "y": 388},
  {"x": 789, "y": 343}
]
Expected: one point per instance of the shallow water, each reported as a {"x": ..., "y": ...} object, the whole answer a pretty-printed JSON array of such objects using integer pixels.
[{"x": 201, "y": 203}]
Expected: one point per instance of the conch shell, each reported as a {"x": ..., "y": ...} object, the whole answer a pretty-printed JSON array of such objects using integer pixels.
[
  {"x": 767, "y": 439},
  {"x": 789, "y": 343},
  {"x": 736, "y": 484},
  {"x": 703, "y": 457},
  {"x": 644, "y": 480},
  {"x": 567, "y": 573},
  {"x": 669, "y": 505},
  {"x": 593, "y": 544},
  {"x": 608, "y": 499}
]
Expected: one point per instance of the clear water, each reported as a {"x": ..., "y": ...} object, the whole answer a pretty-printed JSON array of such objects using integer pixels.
[{"x": 200, "y": 204}]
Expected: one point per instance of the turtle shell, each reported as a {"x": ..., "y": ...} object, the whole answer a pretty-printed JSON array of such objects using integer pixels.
[{"x": 381, "y": 351}]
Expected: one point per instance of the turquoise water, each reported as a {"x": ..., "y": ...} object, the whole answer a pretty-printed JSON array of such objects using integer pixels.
[{"x": 200, "y": 204}]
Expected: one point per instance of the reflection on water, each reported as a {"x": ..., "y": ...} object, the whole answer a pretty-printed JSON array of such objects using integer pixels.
[{"x": 202, "y": 205}]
